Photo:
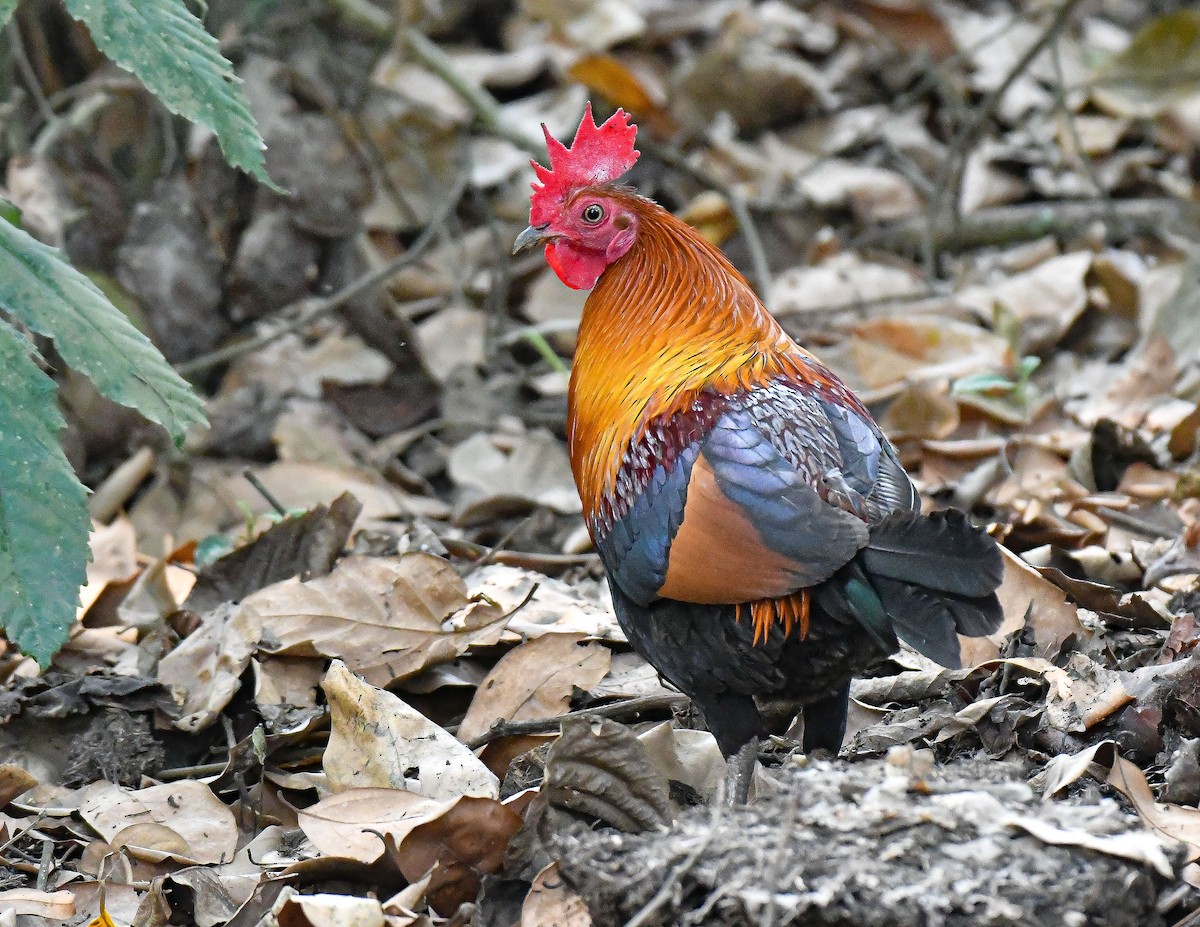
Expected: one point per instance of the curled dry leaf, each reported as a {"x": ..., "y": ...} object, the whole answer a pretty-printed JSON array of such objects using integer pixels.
[
  {"x": 1025, "y": 592},
  {"x": 150, "y": 842},
  {"x": 188, "y": 808},
  {"x": 1047, "y": 299},
  {"x": 457, "y": 848},
  {"x": 843, "y": 280},
  {"x": 887, "y": 353},
  {"x": 599, "y": 768},
  {"x": 386, "y": 617},
  {"x": 113, "y": 560},
  {"x": 350, "y": 824},
  {"x": 535, "y": 680},
  {"x": 1090, "y": 695},
  {"x": 378, "y": 740},
  {"x": 690, "y": 757},
  {"x": 207, "y": 666},
  {"x": 1174, "y": 822},
  {"x": 533, "y": 468},
  {"x": 13, "y": 781},
  {"x": 466, "y": 834},
  {"x": 325, "y": 910}
]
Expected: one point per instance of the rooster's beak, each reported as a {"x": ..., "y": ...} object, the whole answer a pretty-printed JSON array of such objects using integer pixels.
[{"x": 534, "y": 235}]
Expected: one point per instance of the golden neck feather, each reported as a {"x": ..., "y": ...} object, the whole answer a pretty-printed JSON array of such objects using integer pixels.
[{"x": 664, "y": 322}]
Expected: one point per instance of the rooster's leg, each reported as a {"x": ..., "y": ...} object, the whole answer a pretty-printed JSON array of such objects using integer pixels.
[
  {"x": 825, "y": 721},
  {"x": 739, "y": 773},
  {"x": 736, "y": 724}
]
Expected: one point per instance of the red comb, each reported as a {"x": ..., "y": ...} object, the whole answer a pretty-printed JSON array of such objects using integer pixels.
[{"x": 597, "y": 155}]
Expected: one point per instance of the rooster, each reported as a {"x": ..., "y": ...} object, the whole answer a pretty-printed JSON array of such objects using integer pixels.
[{"x": 761, "y": 539}]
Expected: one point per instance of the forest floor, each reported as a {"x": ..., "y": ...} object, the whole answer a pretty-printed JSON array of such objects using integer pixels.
[{"x": 347, "y": 656}]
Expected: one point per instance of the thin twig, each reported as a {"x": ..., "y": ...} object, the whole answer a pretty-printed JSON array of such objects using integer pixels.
[
  {"x": 630, "y": 708},
  {"x": 487, "y": 110},
  {"x": 312, "y": 309},
  {"x": 948, "y": 186},
  {"x": 253, "y": 480},
  {"x": 28, "y": 75},
  {"x": 760, "y": 269},
  {"x": 366, "y": 17},
  {"x": 543, "y": 563},
  {"x": 1023, "y": 222}
]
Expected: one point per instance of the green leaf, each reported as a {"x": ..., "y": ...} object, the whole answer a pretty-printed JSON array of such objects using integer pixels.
[
  {"x": 983, "y": 383},
  {"x": 1029, "y": 363},
  {"x": 43, "y": 513},
  {"x": 9, "y": 211},
  {"x": 38, "y": 287},
  {"x": 6, "y": 10},
  {"x": 181, "y": 63}
]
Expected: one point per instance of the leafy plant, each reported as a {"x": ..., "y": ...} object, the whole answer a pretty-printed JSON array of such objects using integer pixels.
[
  {"x": 1013, "y": 384},
  {"x": 44, "y": 522}
]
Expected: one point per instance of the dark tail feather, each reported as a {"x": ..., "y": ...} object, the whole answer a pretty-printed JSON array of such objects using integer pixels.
[
  {"x": 941, "y": 551},
  {"x": 924, "y": 578},
  {"x": 930, "y": 622}
]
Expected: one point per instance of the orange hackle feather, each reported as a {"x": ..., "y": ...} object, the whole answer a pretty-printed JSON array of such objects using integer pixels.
[{"x": 668, "y": 321}]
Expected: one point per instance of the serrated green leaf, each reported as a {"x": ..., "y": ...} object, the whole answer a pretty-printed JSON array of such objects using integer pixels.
[
  {"x": 172, "y": 53},
  {"x": 43, "y": 513},
  {"x": 38, "y": 287},
  {"x": 6, "y": 10}
]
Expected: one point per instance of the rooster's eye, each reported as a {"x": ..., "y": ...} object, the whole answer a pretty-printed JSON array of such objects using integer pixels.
[{"x": 593, "y": 213}]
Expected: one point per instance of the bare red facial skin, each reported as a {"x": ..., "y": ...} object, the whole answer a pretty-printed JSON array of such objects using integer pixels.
[
  {"x": 582, "y": 249},
  {"x": 589, "y": 231}
]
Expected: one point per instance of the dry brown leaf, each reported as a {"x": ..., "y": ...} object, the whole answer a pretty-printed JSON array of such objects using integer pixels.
[
  {"x": 843, "y": 280},
  {"x": 1094, "y": 693},
  {"x": 377, "y": 740},
  {"x": 552, "y": 903},
  {"x": 1023, "y": 591},
  {"x": 609, "y": 78},
  {"x": 59, "y": 906},
  {"x": 218, "y": 495},
  {"x": 288, "y": 366},
  {"x": 151, "y": 842},
  {"x": 532, "y": 467},
  {"x": 353, "y": 824},
  {"x": 386, "y": 617},
  {"x": 208, "y": 664},
  {"x": 14, "y": 780},
  {"x": 886, "y": 353},
  {"x": 1047, "y": 299},
  {"x": 285, "y": 691},
  {"x": 459, "y": 847},
  {"x": 114, "y": 560},
  {"x": 325, "y": 910},
  {"x": 535, "y": 680},
  {"x": 690, "y": 757},
  {"x": 1174, "y": 822},
  {"x": 189, "y": 808},
  {"x": 591, "y": 24},
  {"x": 555, "y": 608}
]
